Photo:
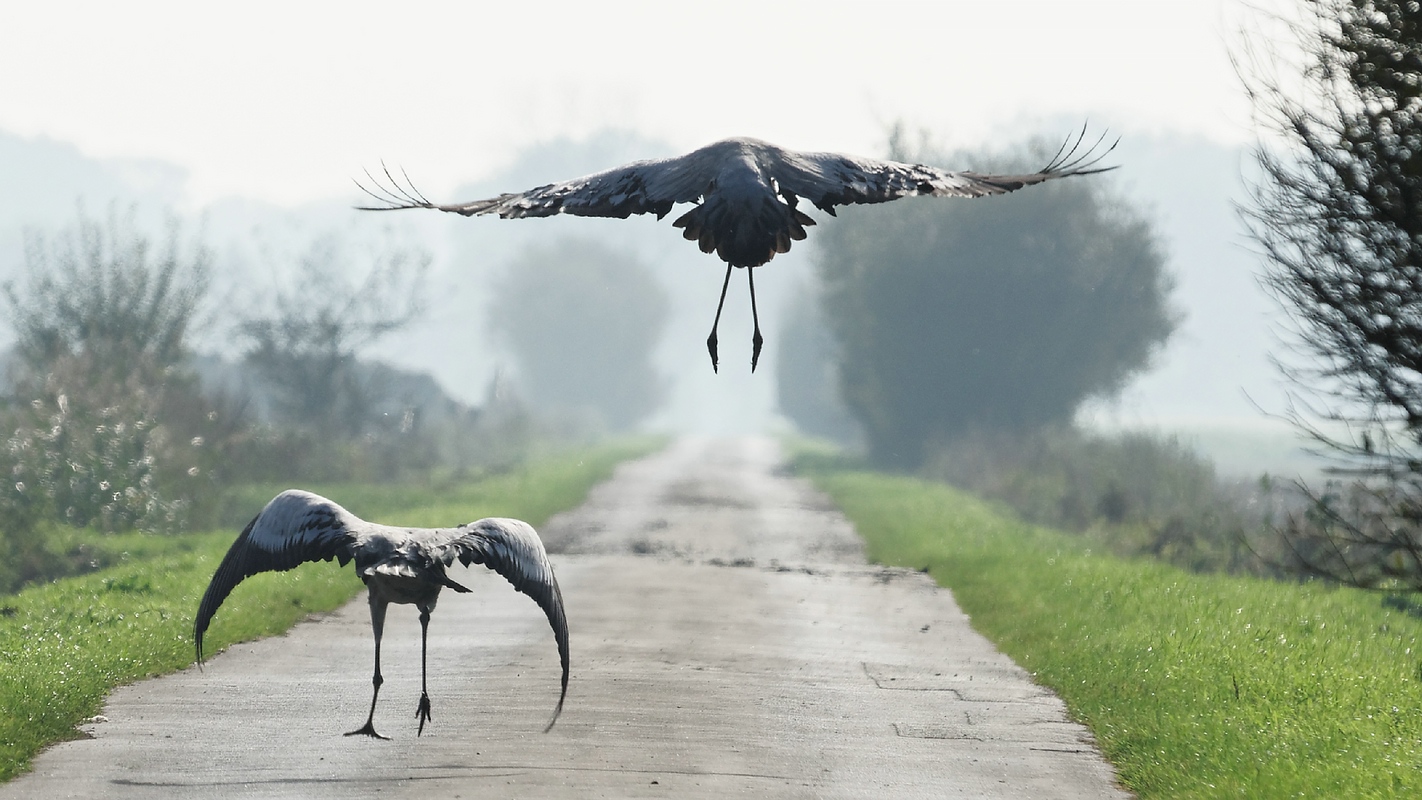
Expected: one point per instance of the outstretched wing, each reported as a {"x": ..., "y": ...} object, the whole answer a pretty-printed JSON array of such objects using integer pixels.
[
  {"x": 295, "y": 527},
  {"x": 830, "y": 179},
  {"x": 641, "y": 187},
  {"x": 512, "y": 548}
]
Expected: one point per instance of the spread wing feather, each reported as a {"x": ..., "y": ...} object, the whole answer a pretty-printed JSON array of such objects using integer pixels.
[
  {"x": 295, "y": 527},
  {"x": 512, "y": 548},
  {"x": 641, "y": 187},
  {"x": 828, "y": 180},
  {"x": 831, "y": 179}
]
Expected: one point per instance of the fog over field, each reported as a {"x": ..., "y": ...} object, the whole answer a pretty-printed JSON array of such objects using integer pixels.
[
  {"x": 258, "y": 162},
  {"x": 1206, "y": 383}
]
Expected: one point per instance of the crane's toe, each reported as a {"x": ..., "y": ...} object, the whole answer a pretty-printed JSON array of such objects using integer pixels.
[
  {"x": 423, "y": 713},
  {"x": 368, "y": 730}
]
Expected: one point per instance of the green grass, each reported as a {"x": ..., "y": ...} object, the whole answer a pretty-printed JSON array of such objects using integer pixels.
[
  {"x": 1195, "y": 685},
  {"x": 64, "y": 645},
  {"x": 529, "y": 493}
]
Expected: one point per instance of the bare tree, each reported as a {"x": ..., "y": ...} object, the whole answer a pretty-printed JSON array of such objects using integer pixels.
[
  {"x": 1338, "y": 214},
  {"x": 105, "y": 293},
  {"x": 304, "y": 339}
]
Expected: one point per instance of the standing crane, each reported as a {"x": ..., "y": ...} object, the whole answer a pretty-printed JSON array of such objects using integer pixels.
[
  {"x": 746, "y": 192},
  {"x": 398, "y": 565}
]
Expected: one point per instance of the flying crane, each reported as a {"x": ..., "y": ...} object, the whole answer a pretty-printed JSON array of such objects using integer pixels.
[{"x": 746, "y": 193}]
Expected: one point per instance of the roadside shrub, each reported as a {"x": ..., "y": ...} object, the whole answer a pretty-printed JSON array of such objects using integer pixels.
[
  {"x": 95, "y": 437},
  {"x": 1135, "y": 493},
  {"x": 1359, "y": 532},
  {"x": 103, "y": 453}
]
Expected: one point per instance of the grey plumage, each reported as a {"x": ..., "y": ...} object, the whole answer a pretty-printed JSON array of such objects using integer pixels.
[
  {"x": 398, "y": 565},
  {"x": 747, "y": 192}
]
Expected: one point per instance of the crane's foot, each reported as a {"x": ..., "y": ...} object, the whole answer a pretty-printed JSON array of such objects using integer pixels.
[
  {"x": 756, "y": 342},
  {"x": 423, "y": 712},
  {"x": 368, "y": 730},
  {"x": 711, "y": 348}
]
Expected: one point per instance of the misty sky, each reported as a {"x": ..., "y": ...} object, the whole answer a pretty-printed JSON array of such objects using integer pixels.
[{"x": 286, "y": 101}]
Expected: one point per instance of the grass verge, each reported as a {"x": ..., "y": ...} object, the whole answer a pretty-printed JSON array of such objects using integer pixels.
[
  {"x": 65, "y": 645},
  {"x": 1195, "y": 685}
]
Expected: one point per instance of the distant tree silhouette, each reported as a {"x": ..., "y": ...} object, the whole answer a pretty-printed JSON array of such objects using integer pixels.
[
  {"x": 303, "y": 341},
  {"x": 997, "y": 314},
  {"x": 807, "y": 372},
  {"x": 105, "y": 293},
  {"x": 582, "y": 321}
]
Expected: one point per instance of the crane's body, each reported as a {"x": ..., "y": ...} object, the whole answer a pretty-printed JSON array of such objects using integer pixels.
[
  {"x": 746, "y": 193},
  {"x": 397, "y": 565}
]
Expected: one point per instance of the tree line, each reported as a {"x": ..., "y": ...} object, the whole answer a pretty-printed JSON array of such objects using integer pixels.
[{"x": 961, "y": 338}]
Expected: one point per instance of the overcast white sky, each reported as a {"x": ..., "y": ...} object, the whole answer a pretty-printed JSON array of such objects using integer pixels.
[{"x": 287, "y": 101}]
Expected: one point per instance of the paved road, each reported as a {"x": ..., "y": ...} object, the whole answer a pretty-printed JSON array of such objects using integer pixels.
[{"x": 727, "y": 640}]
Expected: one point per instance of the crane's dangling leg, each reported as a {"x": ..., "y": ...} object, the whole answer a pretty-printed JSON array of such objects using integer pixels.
[
  {"x": 756, "y": 340},
  {"x": 377, "y": 624},
  {"x": 423, "y": 712},
  {"x": 711, "y": 340}
]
